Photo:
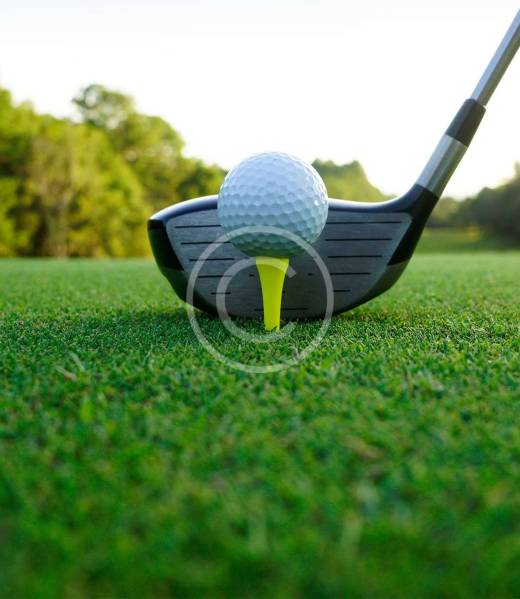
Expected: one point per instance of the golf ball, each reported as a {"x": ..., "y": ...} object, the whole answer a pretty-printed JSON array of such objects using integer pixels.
[{"x": 277, "y": 190}]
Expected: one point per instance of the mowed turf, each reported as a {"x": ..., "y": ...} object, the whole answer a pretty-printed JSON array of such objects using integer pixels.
[{"x": 132, "y": 463}]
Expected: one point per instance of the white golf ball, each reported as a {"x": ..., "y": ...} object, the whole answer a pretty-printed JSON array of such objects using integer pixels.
[{"x": 277, "y": 190}]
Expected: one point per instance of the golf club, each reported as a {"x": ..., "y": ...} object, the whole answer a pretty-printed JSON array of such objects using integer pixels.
[{"x": 365, "y": 246}]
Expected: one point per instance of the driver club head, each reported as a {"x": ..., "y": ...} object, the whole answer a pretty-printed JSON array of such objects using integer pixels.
[{"x": 364, "y": 246}]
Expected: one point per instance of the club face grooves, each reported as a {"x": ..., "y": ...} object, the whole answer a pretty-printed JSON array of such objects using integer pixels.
[
  {"x": 358, "y": 245},
  {"x": 304, "y": 295}
]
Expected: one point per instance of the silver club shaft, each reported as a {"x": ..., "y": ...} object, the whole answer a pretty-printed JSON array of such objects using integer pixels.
[
  {"x": 454, "y": 143},
  {"x": 498, "y": 64}
]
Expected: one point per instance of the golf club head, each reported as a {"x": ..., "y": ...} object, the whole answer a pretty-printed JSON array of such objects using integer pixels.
[{"x": 364, "y": 247}]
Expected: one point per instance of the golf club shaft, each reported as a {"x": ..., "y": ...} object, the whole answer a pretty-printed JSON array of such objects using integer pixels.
[
  {"x": 454, "y": 143},
  {"x": 498, "y": 64}
]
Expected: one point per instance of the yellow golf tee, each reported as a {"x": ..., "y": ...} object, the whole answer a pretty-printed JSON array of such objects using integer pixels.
[{"x": 272, "y": 275}]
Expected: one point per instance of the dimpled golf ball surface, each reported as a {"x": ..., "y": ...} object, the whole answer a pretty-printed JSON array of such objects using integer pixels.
[{"x": 276, "y": 190}]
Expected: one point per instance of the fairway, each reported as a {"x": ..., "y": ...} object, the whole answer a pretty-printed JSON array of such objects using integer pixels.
[{"x": 132, "y": 463}]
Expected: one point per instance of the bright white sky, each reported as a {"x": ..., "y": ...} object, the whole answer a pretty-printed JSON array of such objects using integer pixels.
[{"x": 372, "y": 80}]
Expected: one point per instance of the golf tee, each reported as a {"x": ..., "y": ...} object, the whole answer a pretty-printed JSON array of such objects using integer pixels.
[{"x": 272, "y": 275}]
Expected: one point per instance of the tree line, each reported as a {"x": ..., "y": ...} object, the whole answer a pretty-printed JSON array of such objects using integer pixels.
[
  {"x": 86, "y": 186},
  {"x": 494, "y": 210}
]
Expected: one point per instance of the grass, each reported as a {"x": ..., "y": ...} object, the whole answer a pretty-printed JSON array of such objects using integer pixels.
[
  {"x": 133, "y": 464},
  {"x": 470, "y": 239}
]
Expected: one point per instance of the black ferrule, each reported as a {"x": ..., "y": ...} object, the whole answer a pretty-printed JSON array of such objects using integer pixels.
[{"x": 466, "y": 121}]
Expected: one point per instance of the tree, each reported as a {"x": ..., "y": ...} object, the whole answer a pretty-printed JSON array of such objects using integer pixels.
[
  {"x": 8, "y": 200},
  {"x": 18, "y": 124},
  {"x": 347, "y": 181},
  {"x": 199, "y": 179},
  {"x": 109, "y": 213},
  {"x": 447, "y": 213},
  {"x": 498, "y": 210},
  {"x": 103, "y": 108},
  {"x": 87, "y": 189},
  {"x": 51, "y": 183},
  {"x": 148, "y": 144},
  {"x": 88, "y": 202},
  {"x": 153, "y": 149}
]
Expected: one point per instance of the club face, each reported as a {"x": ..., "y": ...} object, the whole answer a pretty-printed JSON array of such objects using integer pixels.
[{"x": 359, "y": 247}]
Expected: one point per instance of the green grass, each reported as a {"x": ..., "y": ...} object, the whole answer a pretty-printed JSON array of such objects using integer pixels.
[
  {"x": 470, "y": 239},
  {"x": 134, "y": 464}
]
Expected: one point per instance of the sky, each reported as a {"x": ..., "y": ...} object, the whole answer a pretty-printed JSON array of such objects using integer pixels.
[{"x": 370, "y": 80}]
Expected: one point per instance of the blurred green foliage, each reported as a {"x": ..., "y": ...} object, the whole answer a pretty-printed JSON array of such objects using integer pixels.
[
  {"x": 447, "y": 213},
  {"x": 347, "y": 181},
  {"x": 86, "y": 188},
  {"x": 498, "y": 210},
  {"x": 493, "y": 211}
]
